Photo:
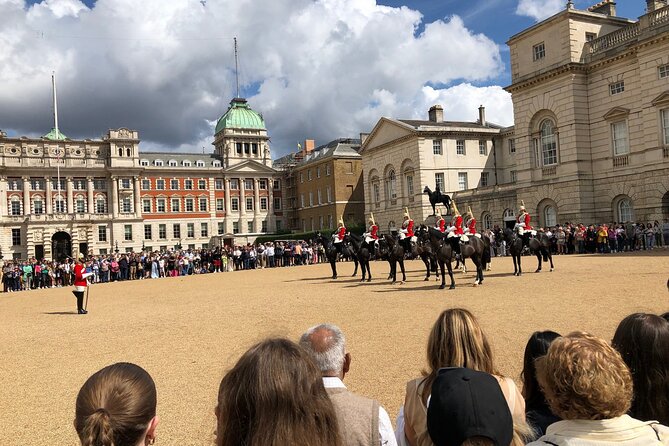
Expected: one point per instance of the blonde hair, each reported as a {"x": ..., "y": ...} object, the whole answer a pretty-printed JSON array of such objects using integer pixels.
[
  {"x": 115, "y": 406},
  {"x": 456, "y": 340},
  {"x": 584, "y": 378}
]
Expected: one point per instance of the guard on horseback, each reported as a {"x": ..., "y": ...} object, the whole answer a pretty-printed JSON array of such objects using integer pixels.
[
  {"x": 338, "y": 237},
  {"x": 523, "y": 226},
  {"x": 440, "y": 223},
  {"x": 470, "y": 224},
  {"x": 372, "y": 237},
  {"x": 455, "y": 231},
  {"x": 406, "y": 232}
]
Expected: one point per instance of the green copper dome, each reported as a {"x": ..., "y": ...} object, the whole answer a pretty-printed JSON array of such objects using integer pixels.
[
  {"x": 55, "y": 136},
  {"x": 240, "y": 116}
]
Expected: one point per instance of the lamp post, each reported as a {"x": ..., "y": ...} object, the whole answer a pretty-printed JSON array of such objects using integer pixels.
[
  {"x": 116, "y": 248},
  {"x": 143, "y": 247}
]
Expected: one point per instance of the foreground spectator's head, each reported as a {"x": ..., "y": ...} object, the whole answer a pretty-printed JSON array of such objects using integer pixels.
[
  {"x": 326, "y": 344},
  {"x": 584, "y": 378},
  {"x": 536, "y": 347},
  {"x": 274, "y": 396},
  {"x": 468, "y": 408},
  {"x": 117, "y": 407},
  {"x": 643, "y": 341}
]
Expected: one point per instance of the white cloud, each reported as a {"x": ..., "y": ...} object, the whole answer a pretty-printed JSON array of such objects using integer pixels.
[
  {"x": 315, "y": 69},
  {"x": 461, "y": 103},
  {"x": 539, "y": 9}
]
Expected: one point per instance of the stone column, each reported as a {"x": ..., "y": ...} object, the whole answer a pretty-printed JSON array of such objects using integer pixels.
[
  {"x": 89, "y": 191},
  {"x": 49, "y": 195},
  {"x": 271, "y": 218},
  {"x": 70, "y": 197},
  {"x": 138, "y": 200},
  {"x": 256, "y": 198},
  {"x": 26, "y": 196},
  {"x": 3, "y": 196},
  {"x": 228, "y": 219},
  {"x": 114, "y": 197}
]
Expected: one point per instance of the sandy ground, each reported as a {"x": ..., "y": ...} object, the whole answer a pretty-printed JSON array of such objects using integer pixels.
[{"x": 188, "y": 331}]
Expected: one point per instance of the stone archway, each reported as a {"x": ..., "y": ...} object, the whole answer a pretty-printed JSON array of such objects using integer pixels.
[{"x": 61, "y": 246}]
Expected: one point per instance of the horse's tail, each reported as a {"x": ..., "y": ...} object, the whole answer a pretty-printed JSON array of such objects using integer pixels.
[{"x": 545, "y": 255}]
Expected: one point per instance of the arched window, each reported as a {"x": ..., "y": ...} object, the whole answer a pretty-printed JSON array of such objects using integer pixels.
[
  {"x": 391, "y": 185},
  {"x": 550, "y": 216},
  {"x": 391, "y": 226},
  {"x": 144, "y": 163},
  {"x": 158, "y": 163},
  {"x": 487, "y": 221},
  {"x": 216, "y": 163},
  {"x": 172, "y": 163},
  {"x": 16, "y": 206},
  {"x": 508, "y": 213},
  {"x": 625, "y": 210},
  {"x": 186, "y": 163},
  {"x": 199, "y": 163},
  {"x": 38, "y": 205},
  {"x": 548, "y": 143},
  {"x": 127, "y": 151}
]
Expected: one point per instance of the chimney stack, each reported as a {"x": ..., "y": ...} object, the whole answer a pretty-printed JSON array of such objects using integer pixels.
[
  {"x": 606, "y": 7},
  {"x": 482, "y": 115},
  {"x": 653, "y": 5},
  {"x": 436, "y": 113}
]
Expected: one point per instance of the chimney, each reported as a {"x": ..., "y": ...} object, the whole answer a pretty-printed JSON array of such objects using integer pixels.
[
  {"x": 436, "y": 113},
  {"x": 653, "y": 5},
  {"x": 606, "y": 7},
  {"x": 482, "y": 115},
  {"x": 307, "y": 147}
]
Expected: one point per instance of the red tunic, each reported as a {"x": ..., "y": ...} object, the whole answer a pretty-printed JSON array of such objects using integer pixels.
[
  {"x": 408, "y": 225},
  {"x": 525, "y": 220},
  {"x": 472, "y": 226},
  {"x": 372, "y": 232},
  {"x": 458, "y": 225},
  {"x": 341, "y": 233},
  {"x": 442, "y": 225},
  {"x": 79, "y": 271}
]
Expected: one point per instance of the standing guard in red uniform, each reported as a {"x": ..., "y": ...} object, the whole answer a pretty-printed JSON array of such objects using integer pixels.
[{"x": 80, "y": 283}]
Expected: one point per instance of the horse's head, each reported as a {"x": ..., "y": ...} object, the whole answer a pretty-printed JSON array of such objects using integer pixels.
[{"x": 427, "y": 190}]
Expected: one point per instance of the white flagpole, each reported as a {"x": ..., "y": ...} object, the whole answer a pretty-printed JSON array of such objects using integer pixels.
[{"x": 55, "y": 124}]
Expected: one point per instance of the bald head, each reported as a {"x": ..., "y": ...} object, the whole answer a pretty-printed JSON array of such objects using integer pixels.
[{"x": 327, "y": 346}]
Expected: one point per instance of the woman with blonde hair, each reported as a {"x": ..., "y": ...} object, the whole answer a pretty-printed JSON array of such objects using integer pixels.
[
  {"x": 456, "y": 340},
  {"x": 274, "y": 396},
  {"x": 117, "y": 407}
]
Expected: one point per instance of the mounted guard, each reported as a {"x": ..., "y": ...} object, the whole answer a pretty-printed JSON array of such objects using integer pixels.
[
  {"x": 338, "y": 237},
  {"x": 470, "y": 223},
  {"x": 523, "y": 227},
  {"x": 440, "y": 223},
  {"x": 372, "y": 237},
  {"x": 406, "y": 232},
  {"x": 455, "y": 231}
]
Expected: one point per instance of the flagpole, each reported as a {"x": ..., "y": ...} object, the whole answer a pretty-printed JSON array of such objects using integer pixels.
[{"x": 55, "y": 124}]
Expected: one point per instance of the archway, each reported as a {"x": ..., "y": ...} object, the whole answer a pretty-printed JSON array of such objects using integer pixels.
[{"x": 61, "y": 246}]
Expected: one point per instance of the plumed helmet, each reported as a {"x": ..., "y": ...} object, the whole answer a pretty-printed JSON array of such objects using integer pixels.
[
  {"x": 469, "y": 211},
  {"x": 341, "y": 221},
  {"x": 522, "y": 205},
  {"x": 454, "y": 208},
  {"x": 406, "y": 212},
  {"x": 371, "y": 218},
  {"x": 438, "y": 213}
]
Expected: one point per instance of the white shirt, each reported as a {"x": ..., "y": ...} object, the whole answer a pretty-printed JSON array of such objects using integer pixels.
[{"x": 386, "y": 433}]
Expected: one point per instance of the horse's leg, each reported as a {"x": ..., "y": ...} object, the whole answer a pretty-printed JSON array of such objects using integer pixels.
[
  {"x": 479, "y": 270},
  {"x": 515, "y": 266},
  {"x": 450, "y": 274},
  {"x": 404, "y": 276},
  {"x": 362, "y": 270},
  {"x": 393, "y": 270},
  {"x": 443, "y": 275},
  {"x": 520, "y": 267},
  {"x": 333, "y": 265},
  {"x": 539, "y": 261},
  {"x": 427, "y": 267},
  {"x": 355, "y": 262},
  {"x": 369, "y": 271},
  {"x": 550, "y": 259}
]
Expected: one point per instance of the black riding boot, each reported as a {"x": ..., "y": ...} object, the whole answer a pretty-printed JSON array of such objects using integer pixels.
[{"x": 80, "y": 301}]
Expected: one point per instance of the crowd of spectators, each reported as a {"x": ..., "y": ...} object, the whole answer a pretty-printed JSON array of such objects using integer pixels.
[{"x": 577, "y": 390}]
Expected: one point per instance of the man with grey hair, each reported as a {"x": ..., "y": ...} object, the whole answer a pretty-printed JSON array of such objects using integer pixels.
[{"x": 363, "y": 421}]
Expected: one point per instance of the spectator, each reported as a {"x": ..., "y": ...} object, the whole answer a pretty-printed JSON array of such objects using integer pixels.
[
  {"x": 588, "y": 385},
  {"x": 362, "y": 421},
  {"x": 117, "y": 407},
  {"x": 274, "y": 396},
  {"x": 643, "y": 342}
]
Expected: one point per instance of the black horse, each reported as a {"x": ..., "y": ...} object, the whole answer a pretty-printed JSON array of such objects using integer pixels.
[
  {"x": 393, "y": 251},
  {"x": 443, "y": 252},
  {"x": 363, "y": 252},
  {"x": 437, "y": 197},
  {"x": 540, "y": 246},
  {"x": 332, "y": 254},
  {"x": 477, "y": 249},
  {"x": 515, "y": 246},
  {"x": 426, "y": 253}
]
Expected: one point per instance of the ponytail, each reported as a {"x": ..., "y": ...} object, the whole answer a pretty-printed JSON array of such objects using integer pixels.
[{"x": 97, "y": 429}]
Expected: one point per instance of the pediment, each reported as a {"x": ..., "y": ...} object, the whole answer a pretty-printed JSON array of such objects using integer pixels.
[
  {"x": 617, "y": 112},
  {"x": 386, "y": 130},
  {"x": 662, "y": 99},
  {"x": 250, "y": 166}
]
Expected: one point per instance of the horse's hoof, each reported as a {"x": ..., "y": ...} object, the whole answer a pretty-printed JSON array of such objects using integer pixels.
[
  {"x": 441, "y": 287},
  {"x": 551, "y": 270},
  {"x": 426, "y": 279},
  {"x": 402, "y": 282},
  {"x": 538, "y": 271},
  {"x": 393, "y": 282},
  {"x": 369, "y": 280},
  {"x": 452, "y": 287}
]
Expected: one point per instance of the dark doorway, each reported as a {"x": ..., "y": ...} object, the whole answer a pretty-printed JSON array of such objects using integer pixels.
[
  {"x": 510, "y": 224},
  {"x": 39, "y": 252},
  {"x": 665, "y": 205},
  {"x": 83, "y": 249},
  {"x": 61, "y": 246}
]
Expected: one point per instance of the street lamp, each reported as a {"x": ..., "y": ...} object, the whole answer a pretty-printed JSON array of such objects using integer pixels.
[
  {"x": 143, "y": 247},
  {"x": 116, "y": 249}
]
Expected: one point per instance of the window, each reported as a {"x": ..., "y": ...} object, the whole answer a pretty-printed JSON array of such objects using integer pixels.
[
  {"x": 199, "y": 163},
  {"x": 311, "y": 199},
  {"x": 16, "y": 237},
  {"x": 512, "y": 146},
  {"x": 218, "y": 184},
  {"x": 328, "y": 194},
  {"x": 99, "y": 184},
  {"x": 146, "y": 205},
  {"x": 619, "y": 136},
  {"x": 78, "y": 184},
  {"x": 204, "y": 229},
  {"x": 100, "y": 205},
  {"x": 460, "y": 147},
  {"x": 16, "y": 206},
  {"x": 617, "y": 87},
  {"x": 148, "y": 233},
  {"x": 484, "y": 178},
  {"x": 176, "y": 205},
  {"x": 172, "y": 163},
  {"x": 539, "y": 51},
  {"x": 246, "y": 148},
  {"x": 59, "y": 204},
  {"x": 250, "y": 227},
  {"x": 263, "y": 203},
  {"x": 190, "y": 230},
  {"x": 548, "y": 143},
  {"x": 102, "y": 233},
  {"x": 158, "y": 163},
  {"x": 127, "y": 232},
  {"x": 277, "y": 184},
  {"x": 663, "y": 71},
  {"x": 319, "y": 197},
  {"x": 176, "y": 230},
  {"x": 391, "y": 191},
  {"x": 249, "y": 203},
  {"x": 254, "y": 148},
  {"x": 220, "y": 204},
  {"x": 80, "y": 205},
  {"x": 126, "y": 205},
  {"x": 409, "y": 181},
  {"x": 550, "y": 216},
  {"x": 278, "y": 226},
  {"x": 162, "y": 231},
  {"x": 625, "y": 210},
  {"x": 160, "y": 205},
  {"x": 665, "y": 126},
  {"x": 462, "y": 180},
  {"x": 238, "y": 148},
  {"x": 349, "y": 166},
  {"x": 125, "y": 183},
  {"x": 248, "y": 184},
  {"x": 188, "y": 184},
  {"x": 513, "y": 176},
  {"x": 234, "y": 184},
  {"x": 37, "y": 184},
  {"x": 55, "y": 185},
  {"x": 203, "y": 204},
  {"x": 146, "y": 184},
  {"x": 263, "y": 225},
  {"x": 589, "y": 37},
  {"x": 144, "y": 163},
  {"x": 189, "y": 205},
  {"x": 327, "y": 170},
  {"x": 262, "y": 184},
  {"x": 160, "y": 184},
  {"x": 174, "y": 184},
  {"x": 436, "y": 147},
  {"x": 301, "y": 177},
  {"x": 487, "y": 221},
  {"x": 376, "y": 195},
  {"x": 309, "y": 175},
  {"x": 277, "y": 203},
  {"x": 202, "y": 184},
  {"x": 301, "y": 200},
  {"x": 483, "y": 148},
  {"x": 234, "y": 204},
  {"x": 187, "y": 163},
  {"x": 38, "y": 206},
  {"x": 221, "y": 228},
  {"x": 318, "y": 172},
  {"x": 235, "y": 227},
  {"x": 439, "y": 181}
]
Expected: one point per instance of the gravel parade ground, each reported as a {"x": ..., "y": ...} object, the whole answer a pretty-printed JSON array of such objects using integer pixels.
[{"x": 188, "y": 331}]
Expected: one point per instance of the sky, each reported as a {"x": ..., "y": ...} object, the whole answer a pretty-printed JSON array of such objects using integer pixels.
[{"x": 315, "y": 69}]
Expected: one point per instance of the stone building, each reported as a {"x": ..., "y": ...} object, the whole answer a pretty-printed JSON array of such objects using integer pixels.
[
  {"x": 590, "y": 143},
  {"x": 113, "y": 197}
]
